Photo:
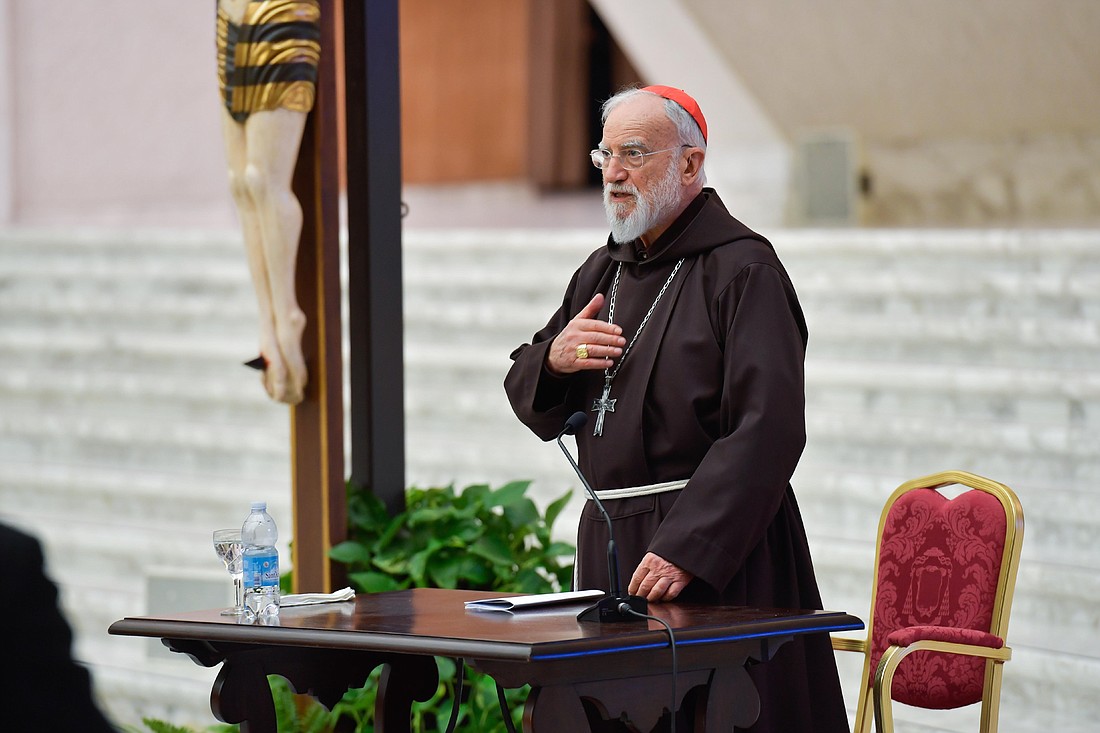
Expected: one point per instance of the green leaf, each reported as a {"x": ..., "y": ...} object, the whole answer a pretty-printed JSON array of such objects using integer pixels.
[
  {"x": 366, "y": 513},
  {"x": 509, "y": 493},
  {"x": 522, "y": 512},
  {"x": 418, "y": 563},
  {"x": 445, "y": 570},
  {"x": 477, "y": 494},
  {"x": 494, "y": 549},
  {"x": 477, "y": 538},
  {"x": 371, "y": 582},
  {"x": 350, "y": 552},
  {"x": 559, "y": 549},
  {"x": 313, "y": 717},
  {"x": 468, "y": 532},
  {"x": 556, "y": 508},
  {"x": 358, "y": 702},
  {"x": 474, "y": 572},
  {"x": 159, "y": 726},
  {"x": 394, "y": 562},
  {"x": 286, "y": 714},
  {"x": 564, "y": 575},
  {"x": 430, "y": 515},
  {"x": 392, "y": 528},
  {"x": 529, "y": 581}
]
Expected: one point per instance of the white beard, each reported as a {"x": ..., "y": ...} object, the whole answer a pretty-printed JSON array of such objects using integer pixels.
[{"x": 647, "y": 212}]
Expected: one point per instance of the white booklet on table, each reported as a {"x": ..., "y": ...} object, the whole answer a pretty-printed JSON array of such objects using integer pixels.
[{"x": 511, "y": 604}]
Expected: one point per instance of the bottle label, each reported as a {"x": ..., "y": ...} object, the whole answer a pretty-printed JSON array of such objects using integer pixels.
[{"x": 261, "y": 570}]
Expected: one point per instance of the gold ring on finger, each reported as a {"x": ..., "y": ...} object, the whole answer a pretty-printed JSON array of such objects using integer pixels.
[{"x": 582, "y": 351}]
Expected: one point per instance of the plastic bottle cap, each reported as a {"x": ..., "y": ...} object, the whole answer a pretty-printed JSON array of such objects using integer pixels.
[{"x": 259, "y": 506}]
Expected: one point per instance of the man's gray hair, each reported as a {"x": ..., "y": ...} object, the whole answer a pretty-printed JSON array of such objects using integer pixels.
[{"x": 686, "y": 126}]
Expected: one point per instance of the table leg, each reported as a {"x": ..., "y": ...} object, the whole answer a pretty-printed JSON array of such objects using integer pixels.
[
  {"x": 241, "y": 693},
  {"x": 403, "y": 680},
  {"x": 737, "y": 702},
  {"x": 555, "y": 708}
]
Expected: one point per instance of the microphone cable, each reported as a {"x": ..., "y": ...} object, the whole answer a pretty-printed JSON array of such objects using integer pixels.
[
  {"x": 625, "y": 608},
  {"x": 460, "y": 677}
]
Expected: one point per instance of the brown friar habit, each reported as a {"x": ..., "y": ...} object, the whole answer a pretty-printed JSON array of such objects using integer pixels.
[{"x": 712, "y": 391}]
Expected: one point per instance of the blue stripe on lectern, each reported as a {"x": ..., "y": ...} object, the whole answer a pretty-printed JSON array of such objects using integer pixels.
[
  {"x": 688, "y": 642},
  {"x": 566, "y": 655}
]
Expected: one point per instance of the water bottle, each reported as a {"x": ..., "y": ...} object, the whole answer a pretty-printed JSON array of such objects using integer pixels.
[{"x": 260, "y": 563}]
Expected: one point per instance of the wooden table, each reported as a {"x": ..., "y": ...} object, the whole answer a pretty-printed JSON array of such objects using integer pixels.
[{"x": 622, "y": 667}]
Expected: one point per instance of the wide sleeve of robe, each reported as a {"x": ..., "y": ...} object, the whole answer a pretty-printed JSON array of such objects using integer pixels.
[{"x": 736, "y": 491}]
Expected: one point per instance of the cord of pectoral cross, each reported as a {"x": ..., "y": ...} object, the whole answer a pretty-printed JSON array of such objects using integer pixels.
[{"x": 605, "y": 404}]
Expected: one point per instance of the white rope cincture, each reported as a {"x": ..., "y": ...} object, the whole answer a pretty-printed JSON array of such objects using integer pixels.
[{"x": 646, "y": 490}]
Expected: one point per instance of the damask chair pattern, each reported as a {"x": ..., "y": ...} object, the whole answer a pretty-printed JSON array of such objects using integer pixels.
[{"x": 945, "y": 570}]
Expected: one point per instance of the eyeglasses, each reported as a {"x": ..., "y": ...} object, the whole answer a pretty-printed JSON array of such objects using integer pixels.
[{"x": 632, "y": 159}]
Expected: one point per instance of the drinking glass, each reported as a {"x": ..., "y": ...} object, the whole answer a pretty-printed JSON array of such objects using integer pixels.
[{"x": 227, "y": 543}]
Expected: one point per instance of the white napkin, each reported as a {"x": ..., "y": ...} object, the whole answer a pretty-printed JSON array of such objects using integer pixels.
[{"x": 309, "y": 599}]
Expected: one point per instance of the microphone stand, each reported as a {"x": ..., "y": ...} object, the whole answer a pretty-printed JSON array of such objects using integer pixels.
[{"x": 616, "y": 606}]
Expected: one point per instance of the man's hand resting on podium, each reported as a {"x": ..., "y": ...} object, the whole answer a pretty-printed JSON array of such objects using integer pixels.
[{"x": 656, "y": 579}]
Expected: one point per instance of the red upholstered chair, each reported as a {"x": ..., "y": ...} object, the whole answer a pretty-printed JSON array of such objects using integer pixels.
[{"x": 945, "y": 571}]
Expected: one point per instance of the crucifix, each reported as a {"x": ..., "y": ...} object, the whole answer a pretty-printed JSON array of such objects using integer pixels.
[{"x": 603, "y": 406}]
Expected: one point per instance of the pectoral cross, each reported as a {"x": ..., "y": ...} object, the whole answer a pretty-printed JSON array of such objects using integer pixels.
[{"x": 603, "y": 406}]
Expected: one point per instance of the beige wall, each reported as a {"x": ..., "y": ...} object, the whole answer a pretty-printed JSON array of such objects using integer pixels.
[
  {"x": 964, "y": 113},
  {"x": 985, "y": 111},
  {"x": 6, "y": 140},
  {"x": 114, "y": 114},
  {"x": 914, "y": 68}
]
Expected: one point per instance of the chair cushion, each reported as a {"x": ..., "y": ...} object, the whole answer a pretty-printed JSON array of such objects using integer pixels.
[
  {"x": 906, "y": 636},
  {"x": 939, "y": 565}
]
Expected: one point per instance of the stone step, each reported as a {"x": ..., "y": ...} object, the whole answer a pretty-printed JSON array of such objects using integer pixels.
[
  {"x": 1057, "y": 249},
  {"x": 505, "y": 321},
  {"x": 117, "y": 349},
  {"x": 882, "y": 376},
  {"x": 843, "y": 503},
  {"x": 67, "y": 245},
  {"x": 59, "y": 493},
  {"x": 972, "y": 395},
  {"x": 916, "y": 294},
  {"x": 175, "y": 689},
  {"x": 232, "y": 394},
  {"x": 499, "y": 326},
  {"x": 190, "y": 313},
  {"x": 67, "y": 436},
  {"x": 1060, "y": 453},
  {"x": 108, "y": 562},
  {"x": 129, "y": 379},
  {"x": 902, "y": 267},
  {"x": 146, "y": 273},
  {"x": 1061, "y": 341},
  {"x": 967, "y": 255},
  {"x": 1064, "y": 454},
  {"x": 125, "y": 401}
]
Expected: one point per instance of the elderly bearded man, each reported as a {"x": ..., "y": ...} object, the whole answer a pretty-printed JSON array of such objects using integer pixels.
[{"x": 684, "y": 341}]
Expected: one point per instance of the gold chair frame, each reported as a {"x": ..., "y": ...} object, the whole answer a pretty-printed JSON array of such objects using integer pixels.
[{"x": 879, "y": 690}]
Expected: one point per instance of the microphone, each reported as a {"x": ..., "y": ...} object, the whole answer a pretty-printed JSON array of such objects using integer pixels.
[{"x": 617, "y": 606}]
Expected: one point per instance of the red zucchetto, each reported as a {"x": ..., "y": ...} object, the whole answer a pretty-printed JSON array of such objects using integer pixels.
[{"x": 682, "y": 98}]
